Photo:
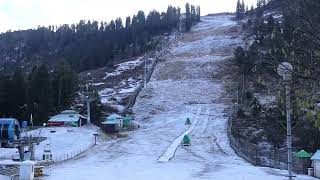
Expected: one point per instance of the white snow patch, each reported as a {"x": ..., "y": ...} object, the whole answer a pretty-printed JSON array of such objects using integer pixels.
[
  {"x": 205, "y": 45},
  {"x": 265, "y": 99},
  {"x": 98, "y": 84},
  {"x": 220, "y": 21},
  {"x": 124, "y": 67}
]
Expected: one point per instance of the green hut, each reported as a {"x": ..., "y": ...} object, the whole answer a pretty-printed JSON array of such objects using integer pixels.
[
  {"x": 303, "y": 159},
  {"x": 127, "y": 120},
  {"x": 186, "y": 141},
  {"x": 302, "y": 154}
]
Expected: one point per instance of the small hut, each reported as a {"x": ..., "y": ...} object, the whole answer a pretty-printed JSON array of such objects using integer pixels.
[
  {"x": 68, "y": 118},
  {"x": 127, "y": 121},
  {"x": 112, "y": 124},
  {"x": 316, "y": 164},
  {"x": 304, "y": 161},
  {"x": 117, "y": 118},
  {"x": 111, "y": 127}
]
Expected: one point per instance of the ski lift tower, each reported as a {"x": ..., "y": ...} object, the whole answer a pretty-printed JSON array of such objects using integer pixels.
[{"x": 88, "y": 97}]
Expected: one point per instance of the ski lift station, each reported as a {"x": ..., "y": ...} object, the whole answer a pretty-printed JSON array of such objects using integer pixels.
[
  {"x": 68, "y": 118},
  {"x": 9, "y": 131}
]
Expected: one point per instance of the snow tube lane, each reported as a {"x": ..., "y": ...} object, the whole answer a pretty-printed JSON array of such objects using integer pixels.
[{"x": 176, "y": 143}]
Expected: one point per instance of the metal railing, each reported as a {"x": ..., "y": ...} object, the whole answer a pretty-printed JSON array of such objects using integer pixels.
[
  {"x": 57, "y": 159},
  {"x": 67, "y": 156}
]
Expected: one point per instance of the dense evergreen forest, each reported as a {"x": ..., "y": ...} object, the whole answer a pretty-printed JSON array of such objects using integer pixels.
[
  {"x": 89, "y": 44},
  {"x": 294, "y": 37},
  {"x": 39, "y": 66}
]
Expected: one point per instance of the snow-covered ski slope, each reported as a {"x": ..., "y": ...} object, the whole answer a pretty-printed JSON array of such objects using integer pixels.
[{"x": 185, "y": 81}]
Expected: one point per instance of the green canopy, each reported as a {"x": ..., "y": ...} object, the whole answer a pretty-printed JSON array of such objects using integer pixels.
[
  {"x": 302, "y": 154},
  {"x": 186, "y": 139}
]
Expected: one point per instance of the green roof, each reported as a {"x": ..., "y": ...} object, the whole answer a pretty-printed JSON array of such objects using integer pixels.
[
  {"x": 186, "y": 139},
  {"x": 302, "y": 154}
]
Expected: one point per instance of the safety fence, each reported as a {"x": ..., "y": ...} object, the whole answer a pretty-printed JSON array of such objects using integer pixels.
[
  {"x": 149, "y": 73},
  {"x": 265, "y": 157},
  {"x": 55, "y": 159},
  {"x": 67, "y": 156}
]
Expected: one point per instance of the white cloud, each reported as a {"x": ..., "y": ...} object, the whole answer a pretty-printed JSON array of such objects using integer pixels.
[{"x": 6, "y": 23}]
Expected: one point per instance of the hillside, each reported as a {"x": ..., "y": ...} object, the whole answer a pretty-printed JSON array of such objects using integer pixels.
[
  {"x": 188, "y": 82},
  {"x": 281, "y": 31}
]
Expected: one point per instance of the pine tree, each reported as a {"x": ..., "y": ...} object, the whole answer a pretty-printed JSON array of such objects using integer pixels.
[
  {"x": 18, "y": 95},
  {"x": 240, "y": 10},
  {"x": 193, "y": 14},
  {"x": 5, "y": 97},
  {"x": 64, "y": 86},
  {"x": 188, "y": 17},
  {"x": 96, "y": 109},
  {"x": 243, "y": 7},
  {"x": 40, "y": 95},
  {"x": 198, "y": 13}
]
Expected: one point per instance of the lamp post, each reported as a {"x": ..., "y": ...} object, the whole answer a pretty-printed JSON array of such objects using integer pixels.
[{"x": 285, "y": 70}]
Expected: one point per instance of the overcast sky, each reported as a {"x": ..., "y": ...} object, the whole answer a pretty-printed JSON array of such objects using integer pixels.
[{"x": 24, "y": 14}]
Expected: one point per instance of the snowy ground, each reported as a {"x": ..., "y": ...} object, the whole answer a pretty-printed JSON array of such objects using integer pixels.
[
  {"x": 182, "y": 84},
  {"x": 61, "y": 142},
  {"x": 116, "y": 84},
  {"x": 125, "y": 86}
]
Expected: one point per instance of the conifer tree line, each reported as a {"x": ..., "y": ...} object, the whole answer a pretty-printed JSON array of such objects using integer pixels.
[
  {"x": 242, "y": 9},
  {"x": 192, "y": 15},
  {"x": 39, "y": 67},
  {"x": 41, "y": 92},
  {"x": 90, "y": 44}
]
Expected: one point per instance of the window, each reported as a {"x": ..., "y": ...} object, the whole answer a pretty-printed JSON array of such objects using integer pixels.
[
  {"x": 5, "y": 132},
  {"x": 17, "y": 130}
]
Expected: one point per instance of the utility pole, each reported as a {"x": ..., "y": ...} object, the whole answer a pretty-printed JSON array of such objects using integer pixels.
[
  {"x": 285, "y": 70},
  {"x": 145, "y": 73},
  {"x": 31, "y": 121},
  {"x": 289, "y": 129},
  {"x": 88, "y": 112}
]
